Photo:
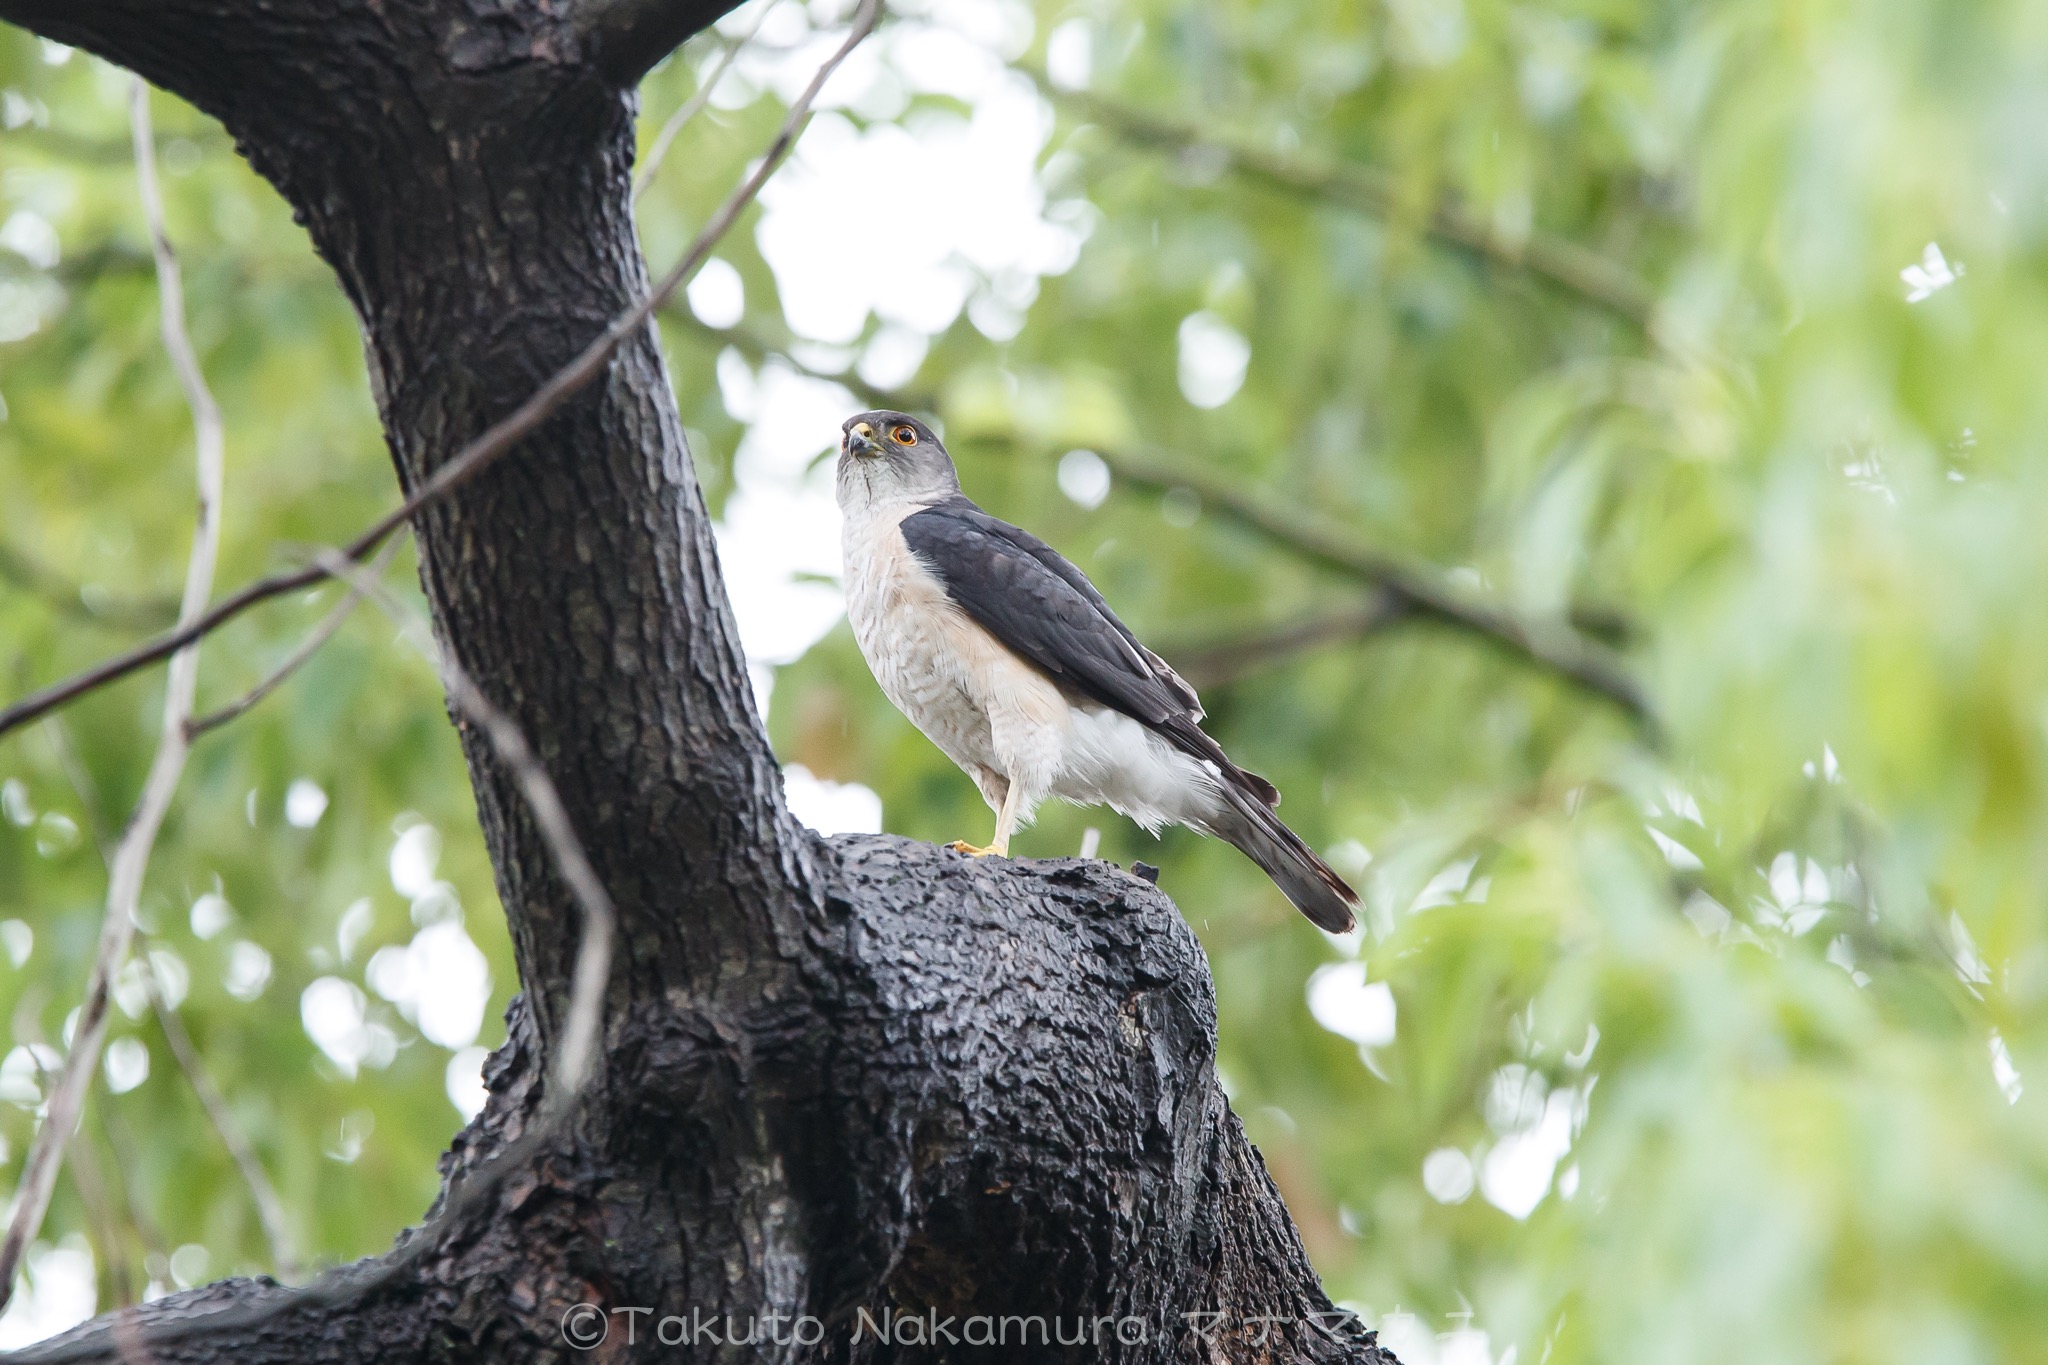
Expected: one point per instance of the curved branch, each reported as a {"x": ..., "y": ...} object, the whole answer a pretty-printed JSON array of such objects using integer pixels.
[
  {"x": 1578, "y": 270},
  {"x": 1419, "y": 590}
]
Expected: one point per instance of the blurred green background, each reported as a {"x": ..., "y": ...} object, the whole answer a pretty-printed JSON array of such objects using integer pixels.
[{"x": 1704, "y": 341}]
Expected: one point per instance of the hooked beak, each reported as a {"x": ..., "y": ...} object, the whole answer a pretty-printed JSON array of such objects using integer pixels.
[{"x": 860, "y": 442}]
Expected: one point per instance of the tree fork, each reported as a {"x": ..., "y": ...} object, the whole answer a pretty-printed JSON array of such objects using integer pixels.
[{"x": 835, "y": 1077}]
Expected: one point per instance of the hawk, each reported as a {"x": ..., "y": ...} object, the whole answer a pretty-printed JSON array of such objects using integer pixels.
[{"x": 1008, "y": 659}]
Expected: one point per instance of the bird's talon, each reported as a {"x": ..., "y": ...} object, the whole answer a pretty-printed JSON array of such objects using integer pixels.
[{"x": 962, "y": 846}]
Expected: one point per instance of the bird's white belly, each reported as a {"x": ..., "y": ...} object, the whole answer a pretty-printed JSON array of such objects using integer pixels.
[
  {"x": 994, "y": 714},
  {"x": 913, "y": 652},
  {"x": 1112, "y": 760},
  {"x": 955, "y": 682}
]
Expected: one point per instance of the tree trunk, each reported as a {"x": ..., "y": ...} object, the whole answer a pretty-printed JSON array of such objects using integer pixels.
[{"x": 864, "y": 1096}]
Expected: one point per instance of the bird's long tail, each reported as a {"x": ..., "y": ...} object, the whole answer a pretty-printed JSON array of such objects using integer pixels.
[{"x": 1247, "y": 820}]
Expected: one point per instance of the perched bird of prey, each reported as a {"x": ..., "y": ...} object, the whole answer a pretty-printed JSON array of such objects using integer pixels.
[{"x": 1008, "y": 659}]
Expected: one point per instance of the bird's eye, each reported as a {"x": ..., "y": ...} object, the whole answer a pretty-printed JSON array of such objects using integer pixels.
[{"x": 905, "y": 435}]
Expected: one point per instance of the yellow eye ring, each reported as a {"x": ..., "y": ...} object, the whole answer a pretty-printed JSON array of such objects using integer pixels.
[{"x": 905, "y": 435}]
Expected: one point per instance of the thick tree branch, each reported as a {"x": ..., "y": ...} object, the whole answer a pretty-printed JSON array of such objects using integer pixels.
[
  {"x": 1134, "y": 1196},
  {"x": 673, "y": 125},
  {"x": 169, "y": 41},
  {"x": 1582, "y": 272},
  {"x": 478, "y": 455},
  {"x": 627, "y": 37}
]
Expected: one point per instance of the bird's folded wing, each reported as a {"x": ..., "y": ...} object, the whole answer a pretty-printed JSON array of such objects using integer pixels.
[{"x": 1042, "y": 608}]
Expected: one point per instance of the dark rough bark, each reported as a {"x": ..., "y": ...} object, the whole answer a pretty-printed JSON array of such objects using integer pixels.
[{"x": 863, "y": 1077}]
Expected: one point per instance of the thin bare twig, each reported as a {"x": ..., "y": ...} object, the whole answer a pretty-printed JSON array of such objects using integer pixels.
[
  {"x": 578, "y": 1046},
  {"x": 93, "y": 1189},
  {"x": 131, "y": 853},
  {"x": 1560, "y": 261},
  {"x": 87, "y": 1181},
  {"x": 496, "y": 441},
  {"x": 319, "y": 635},
  {"x": 680, "y": 119},
  {"x": 269, "y": 1208},
  {"x": 600, "y": 917}
]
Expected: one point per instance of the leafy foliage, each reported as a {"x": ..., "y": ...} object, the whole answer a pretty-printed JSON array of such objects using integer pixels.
[{"x": 1710, "y": 1035}]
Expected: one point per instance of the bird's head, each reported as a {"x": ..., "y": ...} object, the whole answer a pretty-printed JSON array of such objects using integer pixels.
[{"x": 890, "y": 456}]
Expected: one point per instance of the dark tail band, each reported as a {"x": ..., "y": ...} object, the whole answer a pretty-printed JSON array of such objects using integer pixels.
[{"x": 1318, "y": 892}]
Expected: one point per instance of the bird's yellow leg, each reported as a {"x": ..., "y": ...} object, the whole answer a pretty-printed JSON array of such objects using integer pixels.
[{"x": 1006, "y": 820}]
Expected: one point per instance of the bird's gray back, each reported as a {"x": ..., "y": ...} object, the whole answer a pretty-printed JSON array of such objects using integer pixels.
[{"x": 1044, "y": 608}]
